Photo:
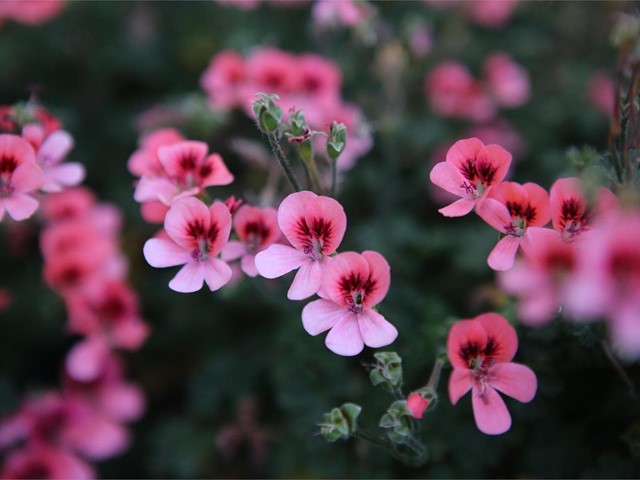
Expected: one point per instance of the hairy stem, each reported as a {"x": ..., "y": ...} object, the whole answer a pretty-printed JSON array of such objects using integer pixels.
[
  {"x": 415, "y": 457},
  {"x": 284, "y": 162}
]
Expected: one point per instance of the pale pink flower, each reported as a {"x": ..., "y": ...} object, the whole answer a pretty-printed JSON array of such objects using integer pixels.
[
  {"x": 222, "y": 80},
  {"x": 257, "y": 228},
  {"x": 470, "y": 168},
  {"x": 196, "y": 236},
  {"x": 314, "y": 225},
  {"x": 539, "y": 279},
  {"x": 480, "y": 351},
  {"x": 19, "y": 176},
  {"x": 601, "y": 93},
  {"x": 607, "y": 280},
  {"x": 571, "y": 214},
  {"x": 507, "y": 81},
  {"x": 511, "y": 208},
  {"x": 353, "y": 284}
]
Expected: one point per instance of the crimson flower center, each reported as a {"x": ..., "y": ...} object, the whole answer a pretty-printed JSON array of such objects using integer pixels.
[{"x": 314, "y": 235}]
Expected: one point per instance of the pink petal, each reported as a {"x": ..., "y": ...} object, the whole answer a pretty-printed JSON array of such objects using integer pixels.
[
  {"x": 155, "y": 189},
  {"x": 160, "y": 253},
  {"x": 15, "y": 145},
  {"x": 122, "y": 402},
  {"x": 458, "y": 208},
  {"x": 86, "y": 360},
  {"x": 463, "y": 150},
  {"x": 248, "y": 265},
  {"x": 55, "y": 147},
  {"x": 380, "y": 273},
  {"x": 498, "y": 158},
  {"x": 20, "y": 206},
  {"x": 375, "y": 329},
  {"x": 278, "y": 259},
  {"x": 27, "y": 177},
  {"x": 306, "y": 282},
  {"x": 65, "y": 175},
  {"x": 495, "y": 213},
  {"x": 189, "y": 279},
  {"x": 232, "y": 251},
  {"x": 216, "y": 273},
  {"x": 504, "y": 253},
  {"x": 182, "y": 214},
  {"x": 97, "y": 438},
  {"x": 130, "y": 334},
  {"x": 564, "y": 189},
  {"x": 344, "y": 265},
  {"x": 462, "y": 334},
  {"x": 321, "y": 315},
  {"x": 489, "y": 410},
  {"x": 515, "y": 380},
  {"x": 171, "y": 155},
  {"x": 446, "y": 176},
  {"x": 345, "y": 337},
  {"x": 502, "y": 333},
  {"x": 460, "y": 382},
  {"x": 221, "y": 219},
  {"x": 538, "y": 199},
  {"x": 220, "y": 174}
]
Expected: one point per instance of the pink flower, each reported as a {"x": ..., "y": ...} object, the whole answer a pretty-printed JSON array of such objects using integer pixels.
[
  {"x": 30, "y": 12},
  {"x": 540, "y": 279},
  {"x": 72, "y": 203},
  {"x": 601, "y": 93},
  {"x": 511, "y": 208},
  {"x": 480, "y": 351},
  {"x": 197, "y": 234},
  {"x": 318, "y": 78},
  {"x": 145, "y": 161},
  {"x": 469, "y": 170},
  {"x": 347, "y": 13},
  {"x": 314, "y": 225},
  {"x": 222, "y": 80},
  {"x": 353, "y": 284},
  {"x": 257, "y": 228},
  {"x": 44, "y": 461},
  {"x": 417, "y": 404},
  {"x": 490, "y": 13},
  {"x": 270, "y": 70},
  {"x": 507, "y": 81},
  {"x": 571, "y": 216},
  {"x": 19, "y": 176}
]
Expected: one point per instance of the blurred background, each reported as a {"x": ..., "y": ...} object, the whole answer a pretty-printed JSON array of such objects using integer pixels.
[{"x": 234, "y": 386}]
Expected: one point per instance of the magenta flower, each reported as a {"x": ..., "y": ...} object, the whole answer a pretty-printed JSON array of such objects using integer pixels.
[
  {"x": 19, "y": 176},
  {"x": 44, "y": 461},
  {"x": 353, "y": 285},
  {"x": 314, "y": 225},
  {"x": 469, "y": 170},
  {"x": 257, "y": 228},
  {"x": 511, "y": 208},
  {"x": 196, "y": 236},
  {"x": 480, "y": 351}
]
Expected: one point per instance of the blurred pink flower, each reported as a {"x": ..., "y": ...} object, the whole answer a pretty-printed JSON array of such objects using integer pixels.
[
  {"x": 352, "y": 285},
  {"x": 196, "y": 236},
  {"x": 19, "y": 176},
  {"x": 30, "y": 12},
  {"x": 480, "y": 351},
  {"x": 223, "y": 79},
  {"x": 314, "y": 225},
  {"x": 470, "y": 168},
  {"x": 507, "y": 81},
  {"x": 345, "y": 13},
  {"x": 45, "y": 462},
  {"x": 490, "y": 13},
  {"x": 601, "y": 92},
  {"x": 511, "y": 208}
]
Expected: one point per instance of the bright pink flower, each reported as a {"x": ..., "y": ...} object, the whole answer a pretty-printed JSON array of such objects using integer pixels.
[
  {"x": 19, "y": 176},
  {"x": 30, "y": 12},
  {"x": 511, "y": 208},
  {"x": 353, "y": 284},
  {"x": 571, "y": 215},
  {"x": 222, "y": 80},
  {"x": 471, "y": 167},
  {"x": 601, "y": 93},
  {"x": 508, "y": 82},
  {"x": 314, "y": 225},
  {"x": 480, "y": 351},
  {"x": 45, "y": 462},
  {"x": 539, "y": 280},
  {"x": 453, "y": 92},
  {"x": 188, "y": 171},
  {"x": 257, "y": 228},
  {"x": 197, "y": 234},
  {"x": 417, "y": 404},
  {"x": 607, "y": 280}
]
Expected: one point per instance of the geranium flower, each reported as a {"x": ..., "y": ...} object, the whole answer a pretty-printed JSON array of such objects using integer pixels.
[
  {"x": 19, "y": 176},
  {"x": 353, "y": 285},
  {"x": 314, "y": 225},
  {"x": 196, "y": 236},
  {"x": 511, "y": 208},
  {"x": 480, "y": 351},
  {"x": 257, "y": 228},
  {"x": 469, "y": 170}
]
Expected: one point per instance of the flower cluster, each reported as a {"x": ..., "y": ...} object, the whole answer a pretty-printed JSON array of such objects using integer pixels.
[{"x": 305, "y": 82}]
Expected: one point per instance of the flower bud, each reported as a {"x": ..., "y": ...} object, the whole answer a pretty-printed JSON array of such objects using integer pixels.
[
  {"x": 340, "y": 422},
  {"x": 387, "y": 371},
  {"x": 267, "y": 113},
  {"x": 417, "y": 403},
  {"x": 337, "y": 140},
  {"x": 396, "y": 423}
]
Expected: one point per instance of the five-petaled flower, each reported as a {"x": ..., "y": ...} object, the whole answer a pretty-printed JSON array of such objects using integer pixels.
[
  {"x": 353, "y": 284},
  {"x": 480, "y": 351},
  {"x": 196, "y": 236},
  {"x": 314, "y": 225},
  {"x": 471, "y": 167}
]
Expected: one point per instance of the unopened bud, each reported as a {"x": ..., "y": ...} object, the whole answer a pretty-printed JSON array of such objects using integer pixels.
[
  {"x": 387, "y": 370},
  {"x": 340, "y": 423},
  {"x": 337, "y": 140},
  {"x": 267, "y": 112},
  {"x": 417, "y": 404}
]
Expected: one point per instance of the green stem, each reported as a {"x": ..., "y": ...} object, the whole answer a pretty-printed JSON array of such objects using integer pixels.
[
  {"x": 334, "y": 176},
  {"x": 284, "y": 163},
  {"x": 313, "y": 174},
  {"x": 434, "y": 379}
]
